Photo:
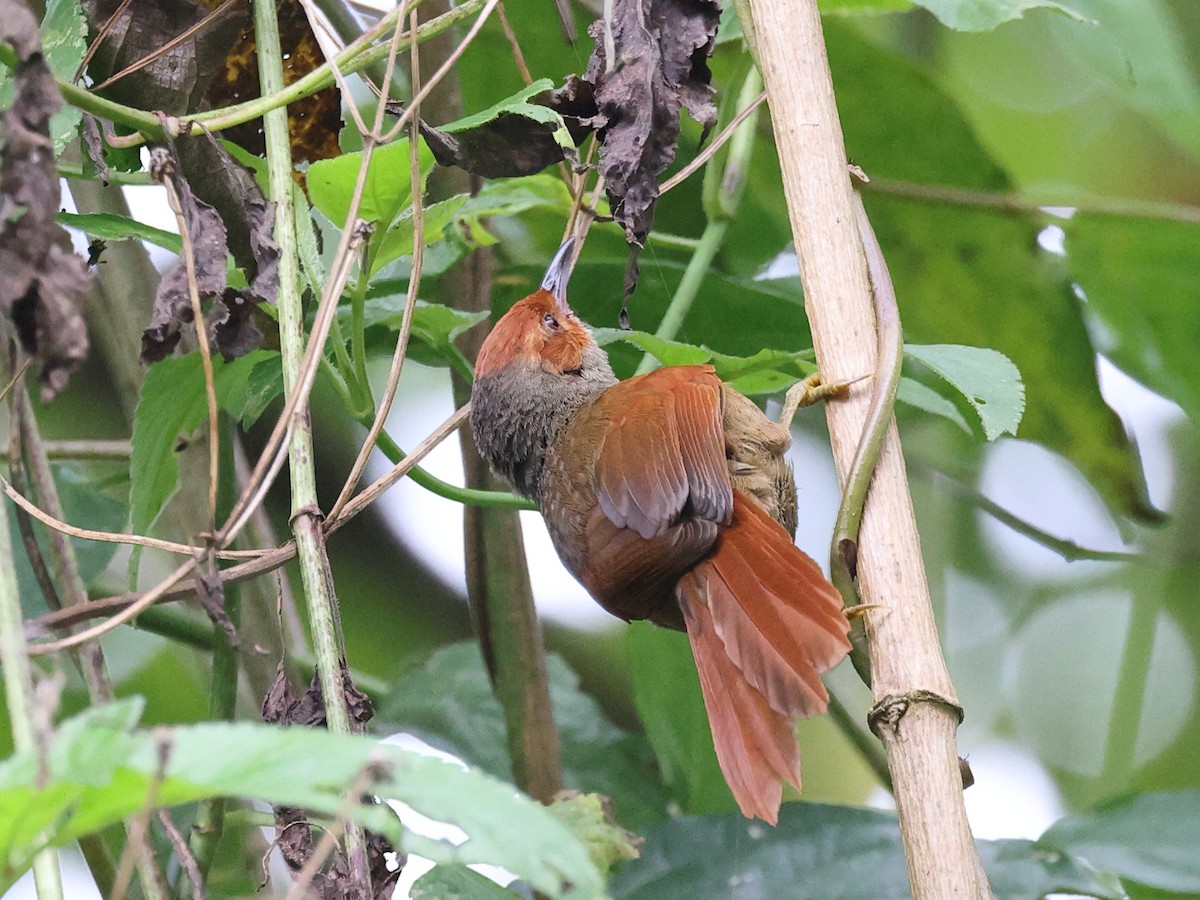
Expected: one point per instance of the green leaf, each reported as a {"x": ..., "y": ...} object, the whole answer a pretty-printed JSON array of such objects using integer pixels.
[
  {"x": 64, "y": 42},
  {"x": 172, "y": 404},
  {"x": 927, "y": 399},
  {"x": 1149, "y": 838},
  {"x": 983, "y": 15},
  {"x": 987, "y": 379},
  {"x": 587, "y": 817},
  {"x": 766, "y": 372},
  {"x": 666, "y": 690},
  {"x": 101, "y": 771},
  {"x": 459, "y": 219},
  {"x": 88, "y": 503},
  {"x": 841, "y": 851},
  {"x": 457, "y": 882},
  {"x": 113, "y": 227},
  {"x": 517, "y": 105},
  {"x": 449, "y": 702},
  {"x": 1139, "y": 277},
  {"x": 388, "y": 188},
  {"x": 976, "y": 276},
  {"x": 669, "y": 353}
]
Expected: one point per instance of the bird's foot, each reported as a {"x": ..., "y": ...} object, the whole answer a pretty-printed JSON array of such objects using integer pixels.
[{"x": 810, "y": 390}]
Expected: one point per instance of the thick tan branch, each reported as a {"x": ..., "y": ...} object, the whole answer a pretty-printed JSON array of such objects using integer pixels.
[{"x": 905, "y": 654}]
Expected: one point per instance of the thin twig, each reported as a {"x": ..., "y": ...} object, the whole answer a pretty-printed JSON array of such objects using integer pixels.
[
  {"x": 717, "y": 143},
  {"x": 112, "y": 537},
  {"x": 210, "y": 383},
  {"x": 1067, "y": 549},
  {"x": 18, "y": 690},
  {"x": 185, "y": 855},
  {"x": 331, "y": 835},
  {"x": 115, "y": 450},
  {"x": 268, "y": 560},
  {"x": 98, "y": 40},
  {"x": 138, "y": 833},
  {"x": 147, "y": 599},
  {"x": 443, "y": 70},
  {"x": 414, "y": 285}
]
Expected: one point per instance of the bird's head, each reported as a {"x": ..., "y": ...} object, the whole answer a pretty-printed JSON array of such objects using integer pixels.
[{"x": 541, "y": 331}]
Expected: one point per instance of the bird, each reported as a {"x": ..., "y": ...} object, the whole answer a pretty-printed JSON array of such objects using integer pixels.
[{"x": 668, "y": 497}]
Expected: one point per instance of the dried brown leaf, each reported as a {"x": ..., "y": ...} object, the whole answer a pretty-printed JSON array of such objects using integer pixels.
[
  {"x": 660, "y": 65},
  {"x": 43, "y": 283},
  {"x": 174, "y": 82},
  {"x": 231, "y": 326}
]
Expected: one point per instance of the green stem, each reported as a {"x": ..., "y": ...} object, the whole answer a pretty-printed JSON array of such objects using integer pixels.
[
  {"x": 352, "y": 59},
  {"x": 306, "y": 525},
  {"x": 18, "y": 691},
  {"x": 209, "y": 823},
  {"x": 689, "y": 286},
  {"x": 361, "y": 385},
  {"x": 723, "y": 199},
  {"x": 864, "y": 742},
  {"x": 435, "y": 485},
  {"x": 1130, "y": 693}
]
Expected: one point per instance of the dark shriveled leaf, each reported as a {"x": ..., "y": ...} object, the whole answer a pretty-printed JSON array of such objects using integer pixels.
[
  {"x": 659, "y": 64},
  {"x": 230, "y": 324},
  {"x": 174, "y": 82},
  {"x": 520, "y": 135},
  {"x": 43, "y": 284}
]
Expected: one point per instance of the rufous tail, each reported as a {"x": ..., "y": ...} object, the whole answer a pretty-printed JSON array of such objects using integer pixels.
[{"x": 763, "y": 622}]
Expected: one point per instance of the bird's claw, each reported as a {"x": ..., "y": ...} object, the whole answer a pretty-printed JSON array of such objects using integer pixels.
[{"x": 810, "y": 390}]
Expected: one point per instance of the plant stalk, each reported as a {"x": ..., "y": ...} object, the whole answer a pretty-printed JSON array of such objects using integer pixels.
[
  {"x": 911, "y": 686},
  {"x": 18, "y": 691},
  {"x": 306, "y": 515}
]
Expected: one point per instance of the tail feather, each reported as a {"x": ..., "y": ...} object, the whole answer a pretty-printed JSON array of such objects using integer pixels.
[
  {"x": 763, "y": 623},
  {"x": 756, "y": 747}
]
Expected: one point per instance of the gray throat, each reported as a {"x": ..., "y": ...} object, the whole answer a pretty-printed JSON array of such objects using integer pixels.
[{"x": 517, "y": 413}]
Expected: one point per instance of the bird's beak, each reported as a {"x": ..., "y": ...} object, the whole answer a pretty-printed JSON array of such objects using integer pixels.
[{"x": 558, "y": 273}]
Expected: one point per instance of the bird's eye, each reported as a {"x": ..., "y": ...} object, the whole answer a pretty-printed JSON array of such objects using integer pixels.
[{"x": 551, "y": 323}]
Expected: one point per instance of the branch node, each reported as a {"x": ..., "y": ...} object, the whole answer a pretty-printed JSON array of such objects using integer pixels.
[{"x": 884, "y": 717}]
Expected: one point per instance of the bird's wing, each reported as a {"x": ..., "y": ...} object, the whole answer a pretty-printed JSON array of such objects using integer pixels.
[{"x": 662, "y": 456}]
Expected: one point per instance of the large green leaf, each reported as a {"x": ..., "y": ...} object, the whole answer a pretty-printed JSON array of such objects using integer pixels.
[
  {"x": 449, "y": 702},
  {"x": 459, "y": 219},
  {"x": 985, "y": 378},
  {"x": 100, "y": 770},
  {"x": 386, "y": 193},
  {"x": 113, "y": 227},
  {"x": 87, "y": 502},
  {"x": 666, "y": 690},
  {"x": 172, "y": 404},
  {"x": 817, "y": 852},
  {"x": 457, "y": 882},
  {"x": 975, "y": 275},
  {"x": 1148, "y": 838},
  {"x": 982, "y": 15},
  {"x": 1140, "y": 280}
]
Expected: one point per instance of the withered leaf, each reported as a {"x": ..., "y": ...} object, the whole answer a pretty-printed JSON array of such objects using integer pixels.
[
  {"x": 173, "y": 82},
  {"x": 660, "y": 64},
  {"x": 231, "y": 329},
  {"x": 281, "y": 706},
  {"x": 43, "y": 283},
  {"x": 518, "y": 136}
]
